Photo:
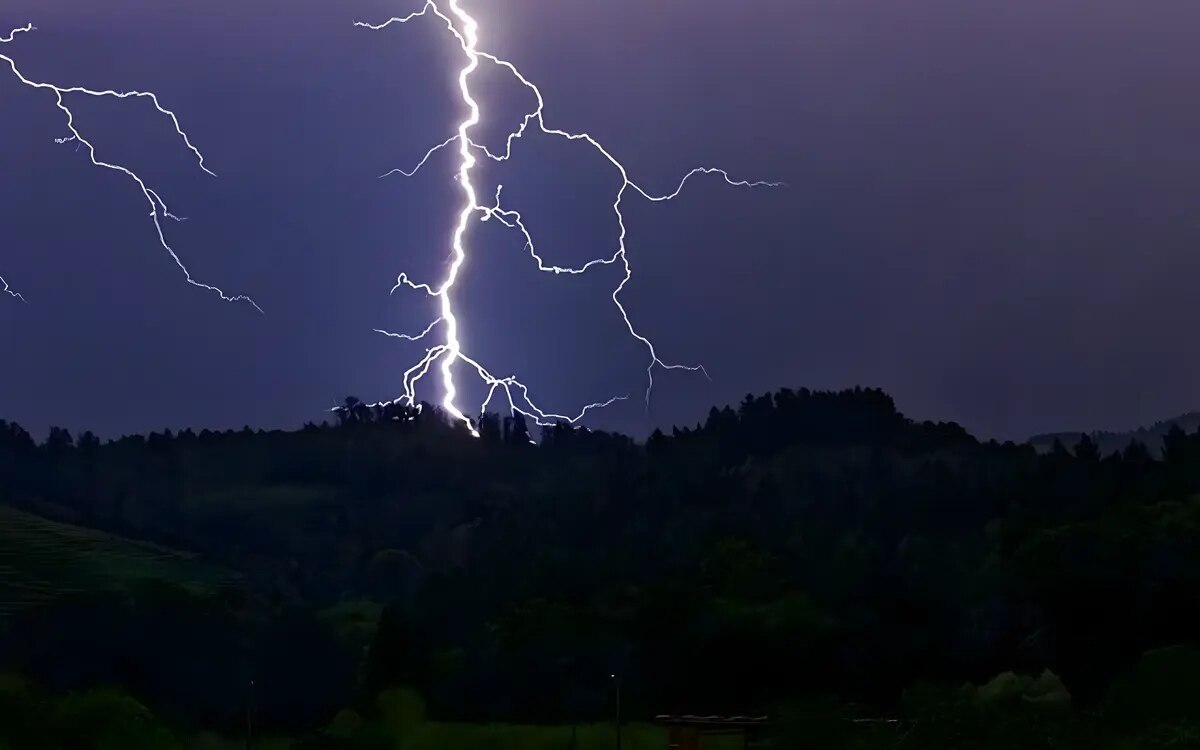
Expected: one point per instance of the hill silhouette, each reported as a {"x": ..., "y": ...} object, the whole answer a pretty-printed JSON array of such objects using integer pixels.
[
  {"x": 801, "y": 546},
  {"x": 1114, "y": 442}
]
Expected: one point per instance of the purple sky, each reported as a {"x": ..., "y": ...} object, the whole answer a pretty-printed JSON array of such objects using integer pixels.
[{"x": 991, "y": 212}]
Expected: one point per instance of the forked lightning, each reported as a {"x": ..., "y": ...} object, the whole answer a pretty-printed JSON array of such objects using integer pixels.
[
  {"x": 158, "y": 208},
  {"x": 446, "y": 355}
]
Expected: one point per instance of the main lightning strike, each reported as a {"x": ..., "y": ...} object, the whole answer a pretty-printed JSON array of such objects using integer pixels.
[
  {"x": 158, "y": 208},
  {"x": 465, "y": 29}
]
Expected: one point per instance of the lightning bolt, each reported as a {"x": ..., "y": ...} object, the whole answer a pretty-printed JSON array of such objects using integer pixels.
[
  {"x": 158, "y": 208},
  {"x": 465, "y": 30},
  {"x": 10, "y": 291}
]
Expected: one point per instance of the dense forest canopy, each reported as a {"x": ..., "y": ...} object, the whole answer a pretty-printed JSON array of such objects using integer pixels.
[{"x": 803, "y": 546}]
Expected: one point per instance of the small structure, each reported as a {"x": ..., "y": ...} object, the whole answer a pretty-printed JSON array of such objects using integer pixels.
[{"x": 686, "y": 732}]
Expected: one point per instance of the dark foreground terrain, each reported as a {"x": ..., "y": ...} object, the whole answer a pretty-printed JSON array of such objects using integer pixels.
[{"x": 865, "y": 580}]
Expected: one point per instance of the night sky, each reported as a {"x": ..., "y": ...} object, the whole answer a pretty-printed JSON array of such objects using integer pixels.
[{"x": 991, "y": 211}]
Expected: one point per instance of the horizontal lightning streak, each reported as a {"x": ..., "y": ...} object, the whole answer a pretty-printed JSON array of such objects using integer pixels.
[
  {"x": 158, "y": 208},
  {"x": 413, "y": 172},
  {"x": 408, "y": 337},
  {"x": 464, "y": 29},
  {"x": 512, "y": 220},
  {"x": 27, "y": 28},
  {"x": 403, "y": 280}
]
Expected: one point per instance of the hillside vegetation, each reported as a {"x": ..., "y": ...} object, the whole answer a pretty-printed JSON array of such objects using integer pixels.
[
  {"x": 818, "y": 557},
  {"x": 43, "y": 560}
]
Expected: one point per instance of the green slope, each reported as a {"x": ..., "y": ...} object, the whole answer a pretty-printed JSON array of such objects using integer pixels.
[{"x": 41, "y": 560}]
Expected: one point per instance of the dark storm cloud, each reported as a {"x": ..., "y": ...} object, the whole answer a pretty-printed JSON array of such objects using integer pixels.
[{"x": 990, "y": 213}]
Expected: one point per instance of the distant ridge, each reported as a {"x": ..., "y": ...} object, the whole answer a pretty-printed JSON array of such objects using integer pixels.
[{"x": 1112, "y": 442}]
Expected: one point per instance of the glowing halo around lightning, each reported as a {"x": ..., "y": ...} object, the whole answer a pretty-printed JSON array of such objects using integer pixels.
[
  {"x": 465, "y": 30},
  {"x": 158, "y": 208}
]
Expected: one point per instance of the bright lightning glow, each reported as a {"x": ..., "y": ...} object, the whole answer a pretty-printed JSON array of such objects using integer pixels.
[
  {"x": 158, "y": 208},
  {"x": 465, "y": 30}
]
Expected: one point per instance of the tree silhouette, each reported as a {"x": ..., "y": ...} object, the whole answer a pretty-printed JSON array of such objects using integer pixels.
[{"x": 516, "y": 430}]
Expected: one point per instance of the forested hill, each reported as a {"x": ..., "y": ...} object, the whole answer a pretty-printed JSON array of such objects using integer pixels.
[
  {"x": 1115, "y": 442},
  {"x": 801, "y": 544}
]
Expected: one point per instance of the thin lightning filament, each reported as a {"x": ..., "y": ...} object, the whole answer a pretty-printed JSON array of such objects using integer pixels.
[{"x": 158, "y": 208}]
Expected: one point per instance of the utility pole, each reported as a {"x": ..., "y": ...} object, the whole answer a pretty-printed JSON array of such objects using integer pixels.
[
  {"x": 249, "y": 714},
  {"x": 617, "y": 680}
]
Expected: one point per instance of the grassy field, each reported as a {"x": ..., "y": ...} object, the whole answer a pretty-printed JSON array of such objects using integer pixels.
[
  {"x": 438, "y": 736},
  {"x": 401, "y": 724},
  {"x": 41, "y": 560},
  {"x": 435, "y": 736}
]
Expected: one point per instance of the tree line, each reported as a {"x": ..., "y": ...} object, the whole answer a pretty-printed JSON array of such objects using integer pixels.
[{"x": 801, "y": 545}]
